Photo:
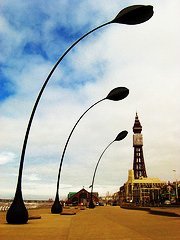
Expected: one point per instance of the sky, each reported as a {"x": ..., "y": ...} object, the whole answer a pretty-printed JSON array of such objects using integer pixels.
[{"x": 143, "y": 58}]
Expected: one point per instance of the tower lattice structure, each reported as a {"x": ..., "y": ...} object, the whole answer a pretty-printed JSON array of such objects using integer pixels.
[{"x": 138, "y": 163}]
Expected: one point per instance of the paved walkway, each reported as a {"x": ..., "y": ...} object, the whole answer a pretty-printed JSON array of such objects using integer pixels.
[{"x": 101, "y": 223}]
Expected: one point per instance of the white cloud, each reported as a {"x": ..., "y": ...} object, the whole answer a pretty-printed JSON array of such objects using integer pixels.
[
  {"x": 32, "y": 177},
  {"x": 7, "y": 157}
]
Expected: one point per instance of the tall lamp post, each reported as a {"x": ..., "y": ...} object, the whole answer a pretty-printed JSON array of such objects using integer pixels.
[
  {"x": 116, "y": 94},
  {"x": 119, "y": 137},
  {"x": 177, "y": 197},
  {"x": 17, "y": 213}
]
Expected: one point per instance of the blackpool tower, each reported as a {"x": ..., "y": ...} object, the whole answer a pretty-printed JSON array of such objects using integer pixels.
[{"x": 138, "y": 163}]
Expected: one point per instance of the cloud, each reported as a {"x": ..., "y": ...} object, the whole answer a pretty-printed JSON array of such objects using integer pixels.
[
  {"x": 7, "y": 157},
  {"x": 32, "y": 177}
]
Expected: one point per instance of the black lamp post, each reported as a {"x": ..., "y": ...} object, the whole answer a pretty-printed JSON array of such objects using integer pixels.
[
  {"x": 17, "y": 213},
  {"x": 119, "y": 137},
  {"x": 116, "y": 94}
]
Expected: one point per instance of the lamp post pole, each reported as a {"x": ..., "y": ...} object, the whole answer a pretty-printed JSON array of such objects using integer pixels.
[
  {"x": 119, "y": 137},
  {"x": 17, "y": 213},
  {"x": 116, "y": 94},
  {"x": 177, "y": 197}
]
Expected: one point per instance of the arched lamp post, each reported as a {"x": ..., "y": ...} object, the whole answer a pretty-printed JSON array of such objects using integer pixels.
[
  {"x": 17, "y": 213},
  {"x": 119, "y": 137},
  {"x": 116, "y": 94}
]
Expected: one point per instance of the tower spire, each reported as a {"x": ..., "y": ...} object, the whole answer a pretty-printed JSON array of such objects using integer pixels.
[
  {"x": 138, "y": 163},
  {"x": 137, "y": 128}
]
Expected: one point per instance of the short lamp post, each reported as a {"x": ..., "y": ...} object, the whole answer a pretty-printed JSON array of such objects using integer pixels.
[
  {"x": 119, "y": 137},
  {"x": 137, "y": 14},
  {"x": 116, "y": 94}
]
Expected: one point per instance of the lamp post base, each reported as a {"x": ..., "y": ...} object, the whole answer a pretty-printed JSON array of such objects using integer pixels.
[
  {"x": 91, "y": 204},
  {"x": 17, "y": 213},
  {"x": 56, "y": 207}
]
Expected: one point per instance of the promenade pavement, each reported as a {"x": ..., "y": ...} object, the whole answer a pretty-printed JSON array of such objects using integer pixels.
[{"x": 101, "y": 223}]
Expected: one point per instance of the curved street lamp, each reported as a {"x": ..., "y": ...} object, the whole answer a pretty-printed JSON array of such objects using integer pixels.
[
  {"x": 17, "y": 213},
  {"x": 119, "y": 137},
  {"x": 116, "y": 94}
]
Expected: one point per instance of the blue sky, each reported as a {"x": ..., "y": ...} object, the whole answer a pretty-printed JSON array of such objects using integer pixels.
[{"x": 143, "y": 58}]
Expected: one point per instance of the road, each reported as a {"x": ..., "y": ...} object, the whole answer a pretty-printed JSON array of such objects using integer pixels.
[{"x": 101, "y": 223}]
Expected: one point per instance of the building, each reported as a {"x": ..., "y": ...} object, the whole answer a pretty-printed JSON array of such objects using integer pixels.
[
  {"x": 143, "y": 191},
  {"x": 81, "y": 197},
  {"x": 139, "y": 188}
]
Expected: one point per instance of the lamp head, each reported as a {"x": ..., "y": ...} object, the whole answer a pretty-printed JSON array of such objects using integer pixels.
[
  {"x": 118, "y": 93},
  {"x": 121, "y": 135},
  {"x": 135, "y": 14}
]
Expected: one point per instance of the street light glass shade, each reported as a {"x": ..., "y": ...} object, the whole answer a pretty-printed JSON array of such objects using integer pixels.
[
  {"x": 121, "y": 135},
  {"x": 135, "y": 14},
  {"x": 118, "y": 93}
]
